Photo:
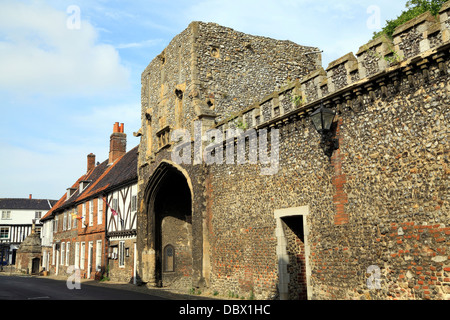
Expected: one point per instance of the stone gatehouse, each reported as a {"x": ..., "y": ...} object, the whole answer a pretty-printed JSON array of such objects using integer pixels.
[{"x": 265, "y": 212}]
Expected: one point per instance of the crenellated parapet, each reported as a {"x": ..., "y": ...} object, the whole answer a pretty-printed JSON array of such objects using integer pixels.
[
  {"x": 380, "y": 67},
  {"x": 342, "y": 72},
  {"x": 410, "y": 39},
  {"x": 444, "y": 20},
  {"x": 372, "y": 57}
]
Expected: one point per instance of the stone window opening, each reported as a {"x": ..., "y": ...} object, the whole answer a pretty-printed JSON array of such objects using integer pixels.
[
  {"x": 179, "y": 94},
  {"x": 169, "y": 258},
  {"x": 210, "y": 104},
  {"x": 215, "y": 53},
  {"x": 148, "y": 117},
  {"x": 163, "y": 137},
  {"x": 178, "y": 108},
  {"x": 162, "y": 58}
]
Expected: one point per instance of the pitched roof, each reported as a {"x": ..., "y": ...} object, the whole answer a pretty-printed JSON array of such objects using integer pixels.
[
  {"x": 103, "y": 178},
  {"x": 26, "y": 204}
]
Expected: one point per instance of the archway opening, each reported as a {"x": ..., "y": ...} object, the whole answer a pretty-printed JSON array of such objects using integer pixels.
[{"x": 172, "y": 209}]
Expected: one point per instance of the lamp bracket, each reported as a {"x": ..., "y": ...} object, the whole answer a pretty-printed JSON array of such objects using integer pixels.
[{"x": 328, "y": 143}]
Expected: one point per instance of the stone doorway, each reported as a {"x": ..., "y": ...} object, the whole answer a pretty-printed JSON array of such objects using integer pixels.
[
  {"x": 292, "y": 253},
  {"x": 35, "y": 265},
  {"x": 171, "y": 208}
]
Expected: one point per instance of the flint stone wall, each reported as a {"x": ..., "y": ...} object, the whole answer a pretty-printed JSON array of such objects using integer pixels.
[{"x": 378, "y": 210}]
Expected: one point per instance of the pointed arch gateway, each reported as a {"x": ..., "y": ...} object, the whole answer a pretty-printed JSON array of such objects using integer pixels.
[{"x": 169, "y": 212}]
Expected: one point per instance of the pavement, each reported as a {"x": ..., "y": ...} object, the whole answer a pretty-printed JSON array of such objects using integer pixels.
[{"x": 165, "y": 293}]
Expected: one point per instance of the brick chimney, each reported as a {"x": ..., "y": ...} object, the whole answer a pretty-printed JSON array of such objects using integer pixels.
[
  {"x": 118, "y": 143},
  {"x": 90, "y": 161}
]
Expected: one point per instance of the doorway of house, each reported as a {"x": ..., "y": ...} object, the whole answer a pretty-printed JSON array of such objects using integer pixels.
[{"x": 35, "y": 265}]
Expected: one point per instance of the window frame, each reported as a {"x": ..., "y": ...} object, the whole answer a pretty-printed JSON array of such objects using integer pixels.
[
  {"x": 82, "y": 254},
  {"x": 83, "y": 214},
  {"x": 100, "y": 210},
  {"x": 67, "y": 253},
  {"x": 6, "y": 214},
  {"x": 7, "y": 233},
  {"x": 98, "y": 255},
  {"x": 121, "y": 254},
  {"x": 77, "y": 255},
  {"x": 91, "y": 212},
  {"x": 62, "y": 252}
]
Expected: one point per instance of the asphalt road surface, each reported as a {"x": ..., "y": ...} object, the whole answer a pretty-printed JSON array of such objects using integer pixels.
[{"x": 33, "y": 288}]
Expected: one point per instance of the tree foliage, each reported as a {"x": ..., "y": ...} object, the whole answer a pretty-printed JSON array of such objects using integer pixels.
[{"x": 413, "y": 9}]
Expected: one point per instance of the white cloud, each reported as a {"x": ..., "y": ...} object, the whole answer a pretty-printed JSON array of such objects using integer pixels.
[
  {"x": 45, "y": 165},
  {"x": 40, "y": 54},
  {"x": 141, "y": 44},
  {"x": 25, "y": 171}
]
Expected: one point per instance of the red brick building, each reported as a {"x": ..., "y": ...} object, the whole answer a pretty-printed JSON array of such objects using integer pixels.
[{"x": 76, "y": 228}]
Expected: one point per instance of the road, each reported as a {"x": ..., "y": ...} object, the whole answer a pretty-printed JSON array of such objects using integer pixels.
[{"x": 35, "y": 288}]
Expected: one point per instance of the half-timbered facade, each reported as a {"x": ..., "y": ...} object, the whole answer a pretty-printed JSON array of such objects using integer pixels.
[
  {"x": 98, "y": 200},
  {"x": 121, "y": 232},
  {"x": 16, "y": 220}
]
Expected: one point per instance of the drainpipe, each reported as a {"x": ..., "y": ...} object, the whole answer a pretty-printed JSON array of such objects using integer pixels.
[{"x": 134, "y": 266}]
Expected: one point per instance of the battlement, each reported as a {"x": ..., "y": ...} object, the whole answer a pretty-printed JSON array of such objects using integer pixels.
[{"x": 415, "y": 45}]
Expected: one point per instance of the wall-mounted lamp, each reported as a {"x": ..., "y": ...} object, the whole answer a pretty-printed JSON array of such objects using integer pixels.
[{"x": 322, "y": 120}]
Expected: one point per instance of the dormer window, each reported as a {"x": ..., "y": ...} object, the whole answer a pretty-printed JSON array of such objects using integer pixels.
[
  {"x": 83, "y": 185},
  {"x": 70, "y": 192}
]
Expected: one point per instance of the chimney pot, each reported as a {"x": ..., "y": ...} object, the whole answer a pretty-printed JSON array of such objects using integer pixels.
[
  {"x": 31, "y": 196},
  {"x": 116, "y": 127}
]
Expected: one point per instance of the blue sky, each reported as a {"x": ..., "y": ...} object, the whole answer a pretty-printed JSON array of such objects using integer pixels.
[{"x": 70, "y": 69}]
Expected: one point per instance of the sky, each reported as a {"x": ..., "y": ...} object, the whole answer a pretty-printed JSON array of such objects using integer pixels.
[{"x": 70, "y": 69}]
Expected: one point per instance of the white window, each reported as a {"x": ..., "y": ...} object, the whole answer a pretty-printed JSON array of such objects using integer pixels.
[
  {"x": 100, "y": 210},
  {"x": 114, "y": 253},
  {"x": 90, "y": 257},
  {"x": 115, "y": 204},
  {"x": 82, "y": 251},
  {"x": 63, "y": 250},
  {"x": 69, "y": 220},
  {"x": 75, "y": 220},
  {"x": 67, "y": 253},
  {"x": 53, "y": 255},
  {"x": 83, "y": 215},
  {"x": 65, "y": 221},
  {"x": 91, "y": 212},
  {"x": 37, "y": 214},
  {"x": 77, "y": 255},
  {"x": 6, "y": 215},
  {"x": 133, "y": 203},
  {"x": 98, "y": 255},
  {"x": 122, "y": 254}
]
